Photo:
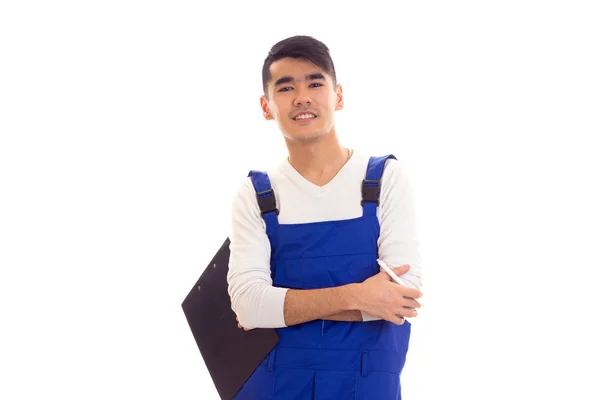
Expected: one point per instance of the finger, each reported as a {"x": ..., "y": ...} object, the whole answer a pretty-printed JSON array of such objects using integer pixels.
[
  {"x": 405, "y": 312},
  {"x": 408, "y": 312},
  {"x": 410, "y": 292},
  {"x": 401, "y": 270},
  {"x": 398, "y": 271},
  {"x": 410, "y": 303},
  {"x": 396, "y": 319}
]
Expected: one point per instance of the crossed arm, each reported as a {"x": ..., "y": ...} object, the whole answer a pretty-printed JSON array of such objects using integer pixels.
[
  {"x": 378, "y": 295},
  {"x": 260, "y": 305}
]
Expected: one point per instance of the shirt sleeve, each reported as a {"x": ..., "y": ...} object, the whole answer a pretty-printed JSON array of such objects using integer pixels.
[
  {"x": 398, "y": 243},
  {"x": 254, "y": 299}
]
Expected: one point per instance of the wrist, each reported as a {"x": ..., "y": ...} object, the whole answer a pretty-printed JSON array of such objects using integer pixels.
[{"x": 351, "y": 297}]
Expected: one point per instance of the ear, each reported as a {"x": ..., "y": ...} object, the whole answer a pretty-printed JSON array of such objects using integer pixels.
[
  {"x": 264, "y": 104},
  {"x": 339, "y": 103}
]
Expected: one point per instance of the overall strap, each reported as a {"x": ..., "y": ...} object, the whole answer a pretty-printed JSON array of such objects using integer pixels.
[
  {"x": 371, "y": 185},
  {"x": 268, "y": 207}
]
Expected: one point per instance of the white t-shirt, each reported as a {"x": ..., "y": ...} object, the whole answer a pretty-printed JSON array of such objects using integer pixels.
[{"x": 257, "y": 303}]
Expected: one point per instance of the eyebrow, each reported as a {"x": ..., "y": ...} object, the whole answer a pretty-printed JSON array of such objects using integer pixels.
[{"x": 309, "y": 77}]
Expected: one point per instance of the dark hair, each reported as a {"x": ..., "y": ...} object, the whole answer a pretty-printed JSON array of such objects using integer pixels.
[{"x": 305, "y": 47}]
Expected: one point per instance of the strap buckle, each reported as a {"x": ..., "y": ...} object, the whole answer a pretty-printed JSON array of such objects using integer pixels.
[
  {"x": 267, "y": 202},
  {"x": 371, "y": 189}
]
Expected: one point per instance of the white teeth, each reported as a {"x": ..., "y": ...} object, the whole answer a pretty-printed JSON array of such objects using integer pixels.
[{"x": 305, "y": 116}]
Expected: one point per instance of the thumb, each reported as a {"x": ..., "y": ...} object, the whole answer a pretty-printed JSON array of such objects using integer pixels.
[{"x": 401, "y": 270}]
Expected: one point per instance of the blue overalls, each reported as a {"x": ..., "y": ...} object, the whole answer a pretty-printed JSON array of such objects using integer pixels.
[{"x": 322, "y": 359}]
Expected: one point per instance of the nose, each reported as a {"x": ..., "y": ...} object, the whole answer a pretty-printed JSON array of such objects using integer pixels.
[{"x": 302, "y": 97}]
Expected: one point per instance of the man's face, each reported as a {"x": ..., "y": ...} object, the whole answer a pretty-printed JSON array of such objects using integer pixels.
[{"x": 301, "y": 99}]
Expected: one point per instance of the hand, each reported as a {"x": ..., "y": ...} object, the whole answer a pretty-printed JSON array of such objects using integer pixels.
[
  {"x": 240, "y": 326},
  {"x": 384, "y": 298}
]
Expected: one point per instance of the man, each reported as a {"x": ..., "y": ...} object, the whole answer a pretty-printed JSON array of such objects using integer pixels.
[{"x": 305, "y": 241}]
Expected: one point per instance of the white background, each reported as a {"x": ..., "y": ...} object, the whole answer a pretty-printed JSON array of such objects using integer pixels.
[{"x": 126, "y": 126}]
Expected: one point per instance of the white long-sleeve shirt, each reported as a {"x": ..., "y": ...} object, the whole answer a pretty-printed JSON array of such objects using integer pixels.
[{"x": 257, "y": 303}]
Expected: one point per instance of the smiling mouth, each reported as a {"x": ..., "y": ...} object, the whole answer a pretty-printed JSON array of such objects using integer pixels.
[{"x": 305, "y": 117}]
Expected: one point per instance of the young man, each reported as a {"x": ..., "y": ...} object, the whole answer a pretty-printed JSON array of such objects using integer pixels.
[{"x": 305, "y": 241}]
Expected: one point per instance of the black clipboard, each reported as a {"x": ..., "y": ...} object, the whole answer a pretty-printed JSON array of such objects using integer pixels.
[{"x": 231, "y": 354}]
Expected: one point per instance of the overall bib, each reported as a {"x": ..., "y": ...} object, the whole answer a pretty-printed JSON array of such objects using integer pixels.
[{"x": 321, "y": 359}]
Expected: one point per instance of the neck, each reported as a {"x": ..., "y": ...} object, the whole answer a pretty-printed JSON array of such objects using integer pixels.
[{"x": 318, "y": 160}]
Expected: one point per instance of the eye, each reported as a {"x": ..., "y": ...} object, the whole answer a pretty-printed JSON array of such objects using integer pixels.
[
  {"x": 316, "y": 83},
  {"x": 285, "y": 89}
]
